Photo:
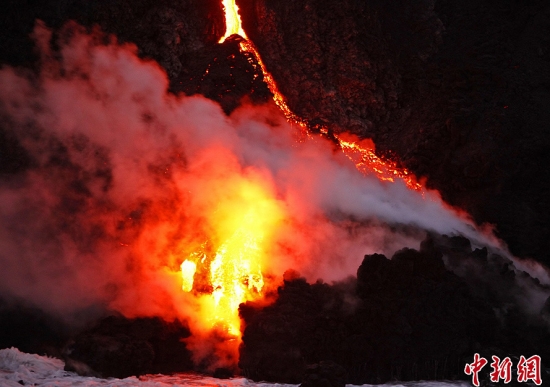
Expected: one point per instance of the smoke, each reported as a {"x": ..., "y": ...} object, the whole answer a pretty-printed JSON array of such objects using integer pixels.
[{"x": 125, "y": 180}]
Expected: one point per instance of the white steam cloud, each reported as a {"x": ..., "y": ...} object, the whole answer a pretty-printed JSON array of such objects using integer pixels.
[{"x": 122, "y": 174}]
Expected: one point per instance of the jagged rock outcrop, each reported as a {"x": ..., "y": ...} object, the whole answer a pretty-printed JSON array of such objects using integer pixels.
[{"x": 407, "y": 318}]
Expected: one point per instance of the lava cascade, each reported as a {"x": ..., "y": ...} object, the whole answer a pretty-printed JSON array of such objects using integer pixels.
[
  {"x": 233, "y": 24},
  {"x": 235, "y": 270}
]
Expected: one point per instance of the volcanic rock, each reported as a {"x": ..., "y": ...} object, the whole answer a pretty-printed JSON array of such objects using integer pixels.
[
  {"x": 30, "y": 329},
  {"x": 408, "y": 318},
  {"x": 457, "y": 91},
  {"x": 324, "y": 374},
  {"x": 169, "y": 32},
  {"x": 226, "y": 76},
  {"x": 222, "y": 373},
  {"x": 120, "y": 347}
]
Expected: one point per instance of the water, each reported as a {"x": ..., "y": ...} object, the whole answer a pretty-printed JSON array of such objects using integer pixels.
[{"x": 18, "y": 368}]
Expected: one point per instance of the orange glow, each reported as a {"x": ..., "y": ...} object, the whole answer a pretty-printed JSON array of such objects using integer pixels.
[
  {"x": 227, "y": 269},
  {"x": 244, "y": 224},
  {"x": 361, "y": 152},
  {"x": 233, "y": 23}
]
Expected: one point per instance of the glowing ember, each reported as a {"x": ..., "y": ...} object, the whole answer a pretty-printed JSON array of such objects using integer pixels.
[{"x": 233, "y": 23}]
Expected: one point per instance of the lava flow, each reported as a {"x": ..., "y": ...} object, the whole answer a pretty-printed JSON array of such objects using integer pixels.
[
  {"x": 233, "y": 24},
  {"x": 234, "y": 270},
  {"x": 147, "y": 203},
  {"x": 361, "y": 152},
  {"x": 234, "y": 273}
]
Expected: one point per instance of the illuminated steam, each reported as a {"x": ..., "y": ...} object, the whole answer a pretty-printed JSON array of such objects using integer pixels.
[{"x": 125, "y": 183}]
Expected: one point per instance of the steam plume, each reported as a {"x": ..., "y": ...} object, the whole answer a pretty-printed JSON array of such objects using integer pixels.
[{"x": 123, "y": 177}]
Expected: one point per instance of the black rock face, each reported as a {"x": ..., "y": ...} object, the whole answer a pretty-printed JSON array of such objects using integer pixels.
[
  {"x": 407, "y": 318},
  {"x": 120, "y": 347},
  {"x": 223, "y": 373},
  {"x": 224, "y": 74},
  {"x": 457, "y": 90},
  {"x": 30, "y": 329},
  {"x": 169, "y": 32},
  {"x": 324, "y": 374}
]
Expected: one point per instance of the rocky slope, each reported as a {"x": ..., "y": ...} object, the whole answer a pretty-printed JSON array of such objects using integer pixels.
[
  {"x": 408, "y": 318},
  {"x": 458, "y": 91}
]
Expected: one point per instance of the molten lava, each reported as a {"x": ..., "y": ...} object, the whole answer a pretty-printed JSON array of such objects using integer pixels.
[
  {"x": 188, "y": 269},
  {"x": 236, "y": 274},
  {"x": 233, "y": 23},
  {"x": 234, "y": 269},
  {"x": 361, "y": 152},
  {"x": 248, "y": 47},
  {"x": 244, "y": 224}
]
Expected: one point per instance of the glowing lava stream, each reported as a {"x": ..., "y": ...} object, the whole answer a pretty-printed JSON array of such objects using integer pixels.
[
  {"x": 361, "y": 152},
  {"x": 233, "y": 24},
  {"x": 244, "y": 222},
  {"x": 235, "y": 269}
]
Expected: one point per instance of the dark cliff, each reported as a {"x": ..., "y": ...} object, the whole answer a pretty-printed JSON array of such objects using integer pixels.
[{"x": 459, "y": 92}]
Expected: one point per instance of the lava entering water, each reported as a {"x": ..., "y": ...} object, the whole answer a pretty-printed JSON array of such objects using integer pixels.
[
  {"x": 235, "y": 269},
  {"x": 137, "y": 193},
  {"x": 244, "y": 224}
]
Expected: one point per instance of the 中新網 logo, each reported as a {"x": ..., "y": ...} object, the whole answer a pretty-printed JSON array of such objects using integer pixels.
[{"x": 527, "y": 369}]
